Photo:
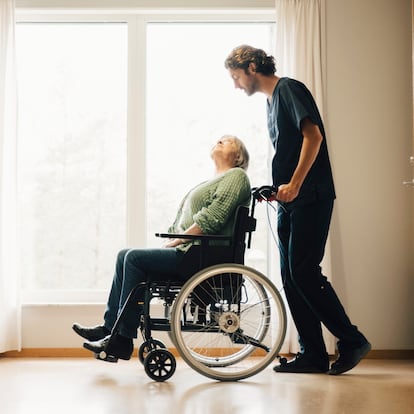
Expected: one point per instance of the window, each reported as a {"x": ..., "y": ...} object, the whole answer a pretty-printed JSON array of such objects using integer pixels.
[
  {"x": 71, "y": 152},
  {"x": 82, "y": 138},
  {"x": 191, "y": 102}
]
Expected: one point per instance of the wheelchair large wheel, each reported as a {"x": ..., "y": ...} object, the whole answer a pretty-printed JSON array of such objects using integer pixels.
[{"x": 228, "y": 322}]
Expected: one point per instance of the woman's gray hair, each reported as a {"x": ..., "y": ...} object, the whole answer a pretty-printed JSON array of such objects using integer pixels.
[{"x": 242, "y": 158}]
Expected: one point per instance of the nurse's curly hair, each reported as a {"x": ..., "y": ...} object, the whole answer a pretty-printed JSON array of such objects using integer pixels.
[{"x": 242, "y": 56}]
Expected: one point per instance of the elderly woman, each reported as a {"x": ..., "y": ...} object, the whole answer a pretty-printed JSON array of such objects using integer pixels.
[{"x": 207, "y": 209}]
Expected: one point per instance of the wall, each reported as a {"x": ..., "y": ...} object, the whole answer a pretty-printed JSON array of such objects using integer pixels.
[
  {"x": 370, "y": 126},
  {"x": 369, "y": 123}
]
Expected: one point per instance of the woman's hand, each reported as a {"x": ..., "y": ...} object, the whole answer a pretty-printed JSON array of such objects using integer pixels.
[
  {"x": 194, "y": 229},
  {"x": 174, "y": 242}
]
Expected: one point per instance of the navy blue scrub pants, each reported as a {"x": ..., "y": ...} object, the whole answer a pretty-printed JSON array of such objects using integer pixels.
[{"x": 303, "y": 231}]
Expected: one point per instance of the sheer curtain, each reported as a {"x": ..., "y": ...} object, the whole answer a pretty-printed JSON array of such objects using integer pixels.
[
  {"x": 300, "y": 43},
  {"x": 299, "y": 53},
  {"x": 9, "y": 293}
]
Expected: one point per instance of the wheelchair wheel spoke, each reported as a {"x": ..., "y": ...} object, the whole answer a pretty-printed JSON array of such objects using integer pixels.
[{"x": 244, "y": 322}]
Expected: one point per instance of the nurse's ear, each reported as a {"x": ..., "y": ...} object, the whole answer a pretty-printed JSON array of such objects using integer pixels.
[{"x": 251, "y": 68}]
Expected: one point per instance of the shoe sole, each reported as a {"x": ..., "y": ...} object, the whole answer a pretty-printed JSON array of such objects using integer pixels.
[
  {"x": 291, "y": 370},
  {"x": 346, "y": 368}
]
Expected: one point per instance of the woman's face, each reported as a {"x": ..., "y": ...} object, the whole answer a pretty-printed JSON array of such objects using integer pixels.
[{"x": 226, "y": 149}]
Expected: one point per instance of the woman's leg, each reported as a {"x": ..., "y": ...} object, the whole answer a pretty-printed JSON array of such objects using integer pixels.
[
  {"x": 140, "y": 265},
  {"x": 99, "y": 332},
  {"x": 112, "y": 305}
]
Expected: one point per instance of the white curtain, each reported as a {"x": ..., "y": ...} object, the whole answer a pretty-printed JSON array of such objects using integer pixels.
[
  {"x": 299, "y": 54},
  {"x": 10, "y": 336},
  {"x": 300, "y": 43}
]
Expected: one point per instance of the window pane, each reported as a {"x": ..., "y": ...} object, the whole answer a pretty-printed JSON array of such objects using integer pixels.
[
  {"x": 191, "y": 102},
  {"x": 72, "y": 152}
]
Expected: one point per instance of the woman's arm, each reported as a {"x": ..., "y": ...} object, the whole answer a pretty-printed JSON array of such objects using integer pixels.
[
  {"x": 233, "y": 190},
  {"x": 194, "y": 229}
]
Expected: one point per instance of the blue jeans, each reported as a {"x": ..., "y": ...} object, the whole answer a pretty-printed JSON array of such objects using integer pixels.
[
  {"x": 303, "y": 231},
  {"x": 134, "y": 266}
]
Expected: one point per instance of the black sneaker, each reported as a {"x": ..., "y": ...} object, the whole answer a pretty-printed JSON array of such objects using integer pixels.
[
  {"x": 303, "y": 364},
  {"x": 114, "y": 347},
  {"x": 349, "y": 358},
  {"x": 94, "y": 333}
]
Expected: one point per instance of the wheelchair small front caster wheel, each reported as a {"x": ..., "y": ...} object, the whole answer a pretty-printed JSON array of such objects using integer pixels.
[
  {"x": 147, "y": 346},
  {"x": 160, "y": 364}
]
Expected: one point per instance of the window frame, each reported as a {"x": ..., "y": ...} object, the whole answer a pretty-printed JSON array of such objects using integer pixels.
[{"x": 136, "y": 21}]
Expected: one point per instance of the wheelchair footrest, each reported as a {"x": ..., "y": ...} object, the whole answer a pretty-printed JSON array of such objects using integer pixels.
[{"x": 103, "y": 356}]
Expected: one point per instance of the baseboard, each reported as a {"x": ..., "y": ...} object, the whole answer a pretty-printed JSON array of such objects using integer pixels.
[
  {"x": 391, "y": 354},
  {"x": 83, "y": 353},
  {"x": 56, "y": 353},
  {"x": 47, "y": 353}
]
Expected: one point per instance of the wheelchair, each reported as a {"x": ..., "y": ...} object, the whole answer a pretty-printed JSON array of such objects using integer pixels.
[{"x": 226, "y": 320}]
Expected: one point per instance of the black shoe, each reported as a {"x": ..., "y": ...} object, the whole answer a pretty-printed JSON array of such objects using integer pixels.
[
  {"x": 111, "y": 348},
  {"x": 302, "y": 364},
  {"x": 94, "y": 333},
  {"x": 348, "y": 359}
]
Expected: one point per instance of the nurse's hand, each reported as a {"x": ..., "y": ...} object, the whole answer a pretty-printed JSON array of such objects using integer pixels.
[{"x": 287, "y": 193}]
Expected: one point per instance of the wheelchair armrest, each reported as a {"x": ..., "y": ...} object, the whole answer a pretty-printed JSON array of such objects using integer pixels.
[{"x": 200, "y": 237}]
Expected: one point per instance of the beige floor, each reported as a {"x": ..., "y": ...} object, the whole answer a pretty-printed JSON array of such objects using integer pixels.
[{"x": 83, "y": 385}]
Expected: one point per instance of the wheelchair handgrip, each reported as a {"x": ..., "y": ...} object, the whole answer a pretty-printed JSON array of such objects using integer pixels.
[{"x": 264, "y": 192}]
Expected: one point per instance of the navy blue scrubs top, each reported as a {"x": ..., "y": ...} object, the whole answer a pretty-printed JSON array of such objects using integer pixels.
[{"x": 291, "y": 103}]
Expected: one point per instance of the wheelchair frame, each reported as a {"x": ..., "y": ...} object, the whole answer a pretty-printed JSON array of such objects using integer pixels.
[{"x": 226, "y": 320}]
